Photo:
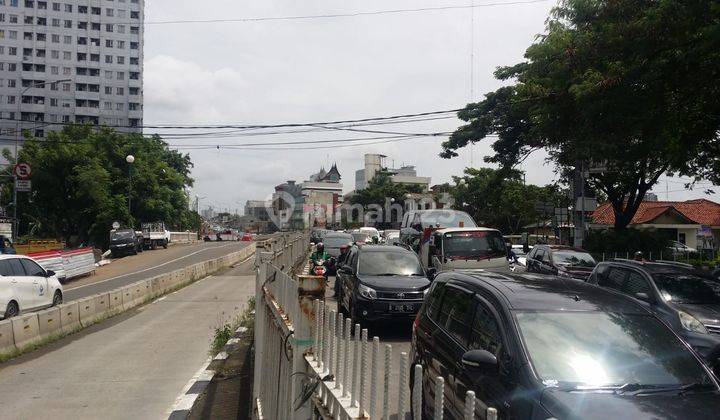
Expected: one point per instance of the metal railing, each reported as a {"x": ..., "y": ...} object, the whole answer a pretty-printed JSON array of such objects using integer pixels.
[
  {"x": 346, "y": 366},
  {"x": 311, "y": 362}
]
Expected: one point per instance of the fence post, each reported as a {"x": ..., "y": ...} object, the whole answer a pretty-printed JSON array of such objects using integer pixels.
[
  {"x": 469, "y": 405},
  {"x": 262, "y": 272},
  {"x": 363, "y": 369},
  {"x": 347, "y": 373},
  {"x": 402, "y": 397},
  {"x": 439, "y": 397},
  {"x": 386, "y": 383},
  {"x": 339, "y": 350},
  {"x": 491, "y": 414},
  {"x": 318, "y": 334},
  {"x": 417, "y": 393},
  {"x": 374, "y": 376},
  {"x": 331, "y": 344},
  {"x": 356, "y": 373}
]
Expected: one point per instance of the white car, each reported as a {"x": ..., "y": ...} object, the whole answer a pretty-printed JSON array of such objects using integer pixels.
[
  {"x": 372, "y": 233},
  {"x": 26, "y": 286}
]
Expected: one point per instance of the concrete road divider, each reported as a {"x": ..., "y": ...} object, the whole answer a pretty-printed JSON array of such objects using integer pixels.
[
  {"x": 7, "y": 340},
  {"x": 22, "y": 331},
  {"x": 102, "y": 303},
  {"x": 86, "y": 309},
  {"x": 115, "y": 299},
  {"x": 26, "y": 330},
  {"x": 49, "y": 322},
  {"x": 69, "y": 317}
]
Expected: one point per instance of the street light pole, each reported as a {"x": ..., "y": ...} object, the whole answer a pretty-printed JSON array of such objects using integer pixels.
[
  {"x": 18, "y": 119},
  {"x": 130, "y": 159}
]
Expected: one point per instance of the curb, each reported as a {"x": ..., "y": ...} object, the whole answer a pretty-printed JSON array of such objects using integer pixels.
[{"x": 185, "y": 403}]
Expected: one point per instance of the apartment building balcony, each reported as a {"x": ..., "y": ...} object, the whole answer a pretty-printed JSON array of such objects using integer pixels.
[
  {"x": 39, "y": 107},
  {"x": 86, "y": 94}
]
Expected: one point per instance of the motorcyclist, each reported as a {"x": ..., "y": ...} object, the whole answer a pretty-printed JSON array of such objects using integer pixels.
[{"x": 319, "y": 255}]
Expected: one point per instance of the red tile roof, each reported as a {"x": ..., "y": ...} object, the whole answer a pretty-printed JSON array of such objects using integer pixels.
[{"x": 700, "y": 211}]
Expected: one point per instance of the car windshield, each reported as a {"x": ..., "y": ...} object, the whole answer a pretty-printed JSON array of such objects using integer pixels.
[
  {"x": 390, "y": 262},
  {"x": 123, "y": 234},
  {"x": 687, "y": 288},
  {"x": 595, "y": 349},
  {"x": 573, "y": 258},
  {"x": 446, "y": 218},
  {"x": 336, "y": 241},
  {"x": 475, "y": 244}
]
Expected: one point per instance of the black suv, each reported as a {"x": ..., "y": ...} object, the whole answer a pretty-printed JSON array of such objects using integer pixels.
[
  {"x": 684, "y": 299},
  {"x": 536, "y": 347},
  {"x": 381, "y": 282},
  {"x": 561, "y": 260}
]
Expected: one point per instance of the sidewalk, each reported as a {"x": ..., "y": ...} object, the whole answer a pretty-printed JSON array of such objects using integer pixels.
[{"x": 132, "y": 366}]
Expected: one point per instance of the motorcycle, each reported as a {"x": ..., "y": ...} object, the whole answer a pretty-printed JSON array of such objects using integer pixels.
[{"x": 321, "y": 267}]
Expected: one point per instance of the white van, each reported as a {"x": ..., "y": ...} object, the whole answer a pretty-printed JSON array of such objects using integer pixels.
[
  {"x": 464, "y": 248},
  {"x": 26, "y": 286}
]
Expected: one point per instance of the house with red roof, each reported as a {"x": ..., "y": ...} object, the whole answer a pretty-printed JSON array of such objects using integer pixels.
[{"x": 695, "y": 223}]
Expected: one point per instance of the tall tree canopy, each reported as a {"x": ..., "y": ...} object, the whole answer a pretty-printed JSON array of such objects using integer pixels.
[
  {"x": 632, "y": 86},
  {"x": 500, "y": 198},
  {"x": 81, "y": 180}
]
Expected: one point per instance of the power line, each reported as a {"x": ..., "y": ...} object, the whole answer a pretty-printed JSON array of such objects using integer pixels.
[
  {"x": 317, "y": 16},
  {"x": 256, "y": 126}
]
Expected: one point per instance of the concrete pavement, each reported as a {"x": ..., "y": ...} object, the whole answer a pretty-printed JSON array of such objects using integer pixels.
[
  {"x": 127, "y": 270},
  {"x": 132, "y": 366}
]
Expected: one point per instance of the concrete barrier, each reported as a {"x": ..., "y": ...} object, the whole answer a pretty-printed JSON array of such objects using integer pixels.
[
  {"x": 69, "y": 317},
  {"x": 7, "y": 339},
  {"x": 102, "y": 304},
  {"x": 26, "y": 330},
  {"x": 86, "y": 309},
  {"x": 21, "y": 331},
  {"x": 128, "y": 301},
  {"x": 49, "y": 322},
  {"x": 115, "y": 297}
]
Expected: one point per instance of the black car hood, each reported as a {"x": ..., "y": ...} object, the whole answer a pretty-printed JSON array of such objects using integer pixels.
[
  {"x": 603, "y": 406},
  {"x": 395, "y": 282},
  {"x": 707, "y": 313}
]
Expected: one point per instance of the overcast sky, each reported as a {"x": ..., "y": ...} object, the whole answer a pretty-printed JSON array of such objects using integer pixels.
[{"x": 287, "y": 71}]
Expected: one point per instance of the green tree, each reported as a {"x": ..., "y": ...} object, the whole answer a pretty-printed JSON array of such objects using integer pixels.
[
  {"x": 381, "y": 189},
  {"x": 500, "y": 198},
  {"x": 629, "y": 85},
  {"x": 81, "y": 182}
]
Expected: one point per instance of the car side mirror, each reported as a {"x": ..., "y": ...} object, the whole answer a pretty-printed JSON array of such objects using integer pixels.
[
  {"x": 643, "y": 297},
  {"x": 480, "y": 361},
  {"x": 431, "y": 273},
  {"x": 49, "y": 273}
]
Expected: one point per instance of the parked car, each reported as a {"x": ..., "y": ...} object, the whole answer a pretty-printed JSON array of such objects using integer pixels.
[
  {"x": 381, "y": 282},
  {"x": 560, "y": 260},
  {"x": 373, "y": 233},
  {"x": 685, "y": 300},
  {"x": 679, "y": 249},
  {"x": 536, "y": 347},
  {"x": 360, "y": 237},
  {"x": 125, "y": 242},
  {"x": 334, "y": 240},
  {"x": 247, "y": 237},
  {"x": 26, "y": 286}
]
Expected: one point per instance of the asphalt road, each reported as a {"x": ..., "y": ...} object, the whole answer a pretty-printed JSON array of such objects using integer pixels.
[
  {"x": 127, "y": 270},
  {"x": 132, "y": 366}
]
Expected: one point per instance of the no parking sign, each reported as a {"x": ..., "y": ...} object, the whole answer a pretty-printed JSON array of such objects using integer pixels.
[{"x": 23, "y": 171}]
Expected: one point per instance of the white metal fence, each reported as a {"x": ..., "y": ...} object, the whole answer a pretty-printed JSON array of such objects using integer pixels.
[{"x": 311, "y": 362}]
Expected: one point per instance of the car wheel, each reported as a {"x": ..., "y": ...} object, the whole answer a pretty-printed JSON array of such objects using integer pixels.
[
  {"x": 165, "y": 244},
  {"x": 134, "y": 251},
  {"x": 153, "y": 246},
  {"x": 12, "y": 310},
  {"x": 57, "y": 298}
]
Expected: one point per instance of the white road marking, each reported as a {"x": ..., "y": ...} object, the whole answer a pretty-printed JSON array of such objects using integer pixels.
[
  {"x": 160, "y": 299},
  {"x": 221, "y": 356},
  {"x": 149, "y": 268}
]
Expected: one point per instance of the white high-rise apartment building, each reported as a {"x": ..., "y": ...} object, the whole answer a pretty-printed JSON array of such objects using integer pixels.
[{"x": 70, "y": 61}]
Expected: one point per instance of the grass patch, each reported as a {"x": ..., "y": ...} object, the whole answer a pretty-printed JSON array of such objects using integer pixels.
[{"x": 226, "y": 330}]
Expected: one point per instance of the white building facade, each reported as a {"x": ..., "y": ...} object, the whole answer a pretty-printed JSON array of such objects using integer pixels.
[{"x": 70, "y": 61}]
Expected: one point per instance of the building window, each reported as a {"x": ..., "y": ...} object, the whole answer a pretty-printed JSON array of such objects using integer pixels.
[{"x": 109, "y": 12}]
